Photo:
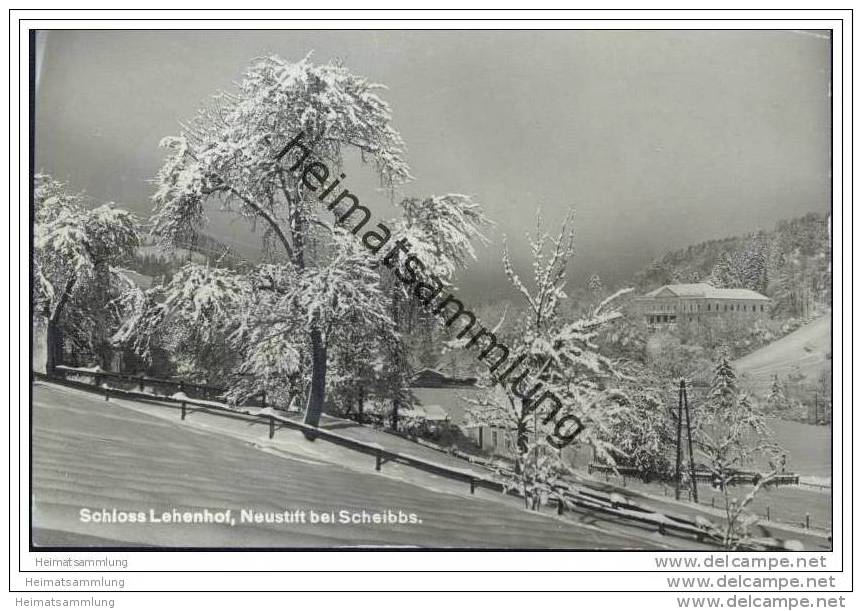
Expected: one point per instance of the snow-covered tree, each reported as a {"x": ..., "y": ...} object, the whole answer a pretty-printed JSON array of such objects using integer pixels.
[
  {"x": 754, "y": 265},
  {"x": 642, "y": 436},
  {"x": 731, "y": 434},
  {"x": 776, "y": 400},
  {"x": 236, "y": 155},
  {"x": 746, "y": 268},
  {"x": 78, "y": 252},
  {"x": 443, "y": 231},
  {"x": 723, "y": 391},
  {"x": 272, "y": 152},
  {"x": 727, "y": 272},
  {"x": 558, "y": 356},
  {"x": 596, "y": 288}
]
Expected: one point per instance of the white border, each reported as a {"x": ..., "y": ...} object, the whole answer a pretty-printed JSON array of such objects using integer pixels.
[{"x": 445, "y": 561}]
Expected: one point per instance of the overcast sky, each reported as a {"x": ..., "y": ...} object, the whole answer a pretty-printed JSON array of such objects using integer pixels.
[{"x": 656, "y": 139}]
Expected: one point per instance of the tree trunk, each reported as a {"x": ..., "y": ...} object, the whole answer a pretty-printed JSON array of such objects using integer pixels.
[
  {"x": 317, "y": 395},
  {"x": 521, "y": 442},
  {"x": 523, "y": 437},
  {"x": 395, "y": 415},
  {"x": 54, "y": 347},
  {"x": 54, "y": 334}
]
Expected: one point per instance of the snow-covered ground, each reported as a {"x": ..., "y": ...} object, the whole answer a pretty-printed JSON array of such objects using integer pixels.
[
  {"x": 88, "y": 452},
  {"x": 808, "y": 348}
]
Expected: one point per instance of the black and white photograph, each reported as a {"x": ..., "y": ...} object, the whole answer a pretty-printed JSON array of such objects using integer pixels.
[{"x": 451, "y": 289}]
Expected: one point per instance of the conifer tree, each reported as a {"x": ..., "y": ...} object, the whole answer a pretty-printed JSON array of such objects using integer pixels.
[
  {"x": 723, "y": 392},
  {"x": 776, "y": 401},
  {"x": 731, "y": 435}
]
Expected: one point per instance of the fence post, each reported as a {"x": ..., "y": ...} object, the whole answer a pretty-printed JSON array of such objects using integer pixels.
[
  {"x": 807, "y": 520},
  {"x": 263, "y": 398},
  {"x": 271, "y": 427},
  {"x": 472, "y": 486},
  {"x": 767, "y": 513},
  {"x": 378, "y": 460},
  {"x": 561, "y": 507},
  {"x": 183, "y": 410},
  {"x": 141, "y": 384}
]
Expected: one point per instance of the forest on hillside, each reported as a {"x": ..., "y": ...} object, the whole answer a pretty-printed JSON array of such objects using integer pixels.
[{"x": 791, "y": 264}]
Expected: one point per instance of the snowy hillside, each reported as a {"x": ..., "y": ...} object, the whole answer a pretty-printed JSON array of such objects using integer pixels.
[
  {"x": 808, "y": 348},
  {"x": 91, "y": 453}
]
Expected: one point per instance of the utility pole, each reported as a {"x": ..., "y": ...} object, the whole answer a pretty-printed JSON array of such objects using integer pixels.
[
  {"x": 678, "y": 470},
  {"x": 683, "y": 405},
  {"x": 688, "y": 430}
]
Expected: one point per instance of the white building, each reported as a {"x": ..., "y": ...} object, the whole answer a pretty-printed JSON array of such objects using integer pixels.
[{"x": 675, "y": 303}]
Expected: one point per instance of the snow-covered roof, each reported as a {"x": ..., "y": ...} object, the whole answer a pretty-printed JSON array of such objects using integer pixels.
[
  {"x": 435, "y": 412},
  {"x": 139, "y": 280},
  {"x": 432, "y": 378},
  {"x": 429, "y": 412},
  {"x": 701, "y": 289}
]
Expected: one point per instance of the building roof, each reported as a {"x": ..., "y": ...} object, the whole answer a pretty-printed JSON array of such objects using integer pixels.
[
  {"x": 431, "y": 378},
  {"x": 707, "y": 291},
  {"x": 139, "y": 280},
  {"x": 428, "y": 412}
]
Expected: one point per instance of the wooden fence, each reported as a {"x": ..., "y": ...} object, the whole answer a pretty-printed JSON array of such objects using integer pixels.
[
  {"x": 742, "y": 477},
  {"x": 191, "y": 389}
]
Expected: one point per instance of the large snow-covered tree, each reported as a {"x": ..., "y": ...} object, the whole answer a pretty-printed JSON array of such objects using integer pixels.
[
  {"x": 263, "y": 153},
  {"x": 78, "y": 252},
  {"x": 233, "y": 155}
]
